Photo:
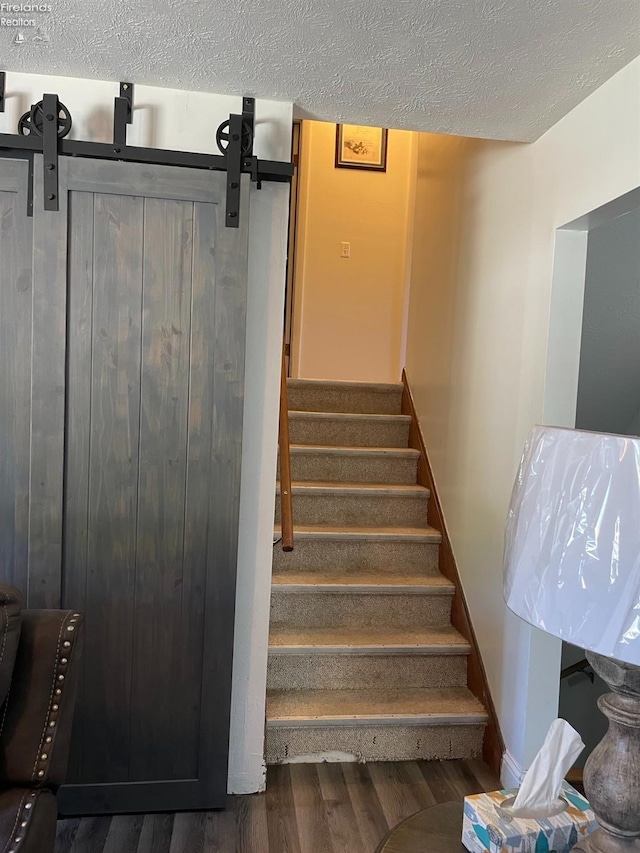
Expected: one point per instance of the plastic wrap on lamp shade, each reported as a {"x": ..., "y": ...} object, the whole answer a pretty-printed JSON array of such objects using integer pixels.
[{"x": 572, "y": 543}]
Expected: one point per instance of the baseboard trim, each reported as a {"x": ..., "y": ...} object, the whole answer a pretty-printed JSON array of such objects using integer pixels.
[
  {"x": 248, "y": 782},
  {"x": 493, "y": 747},
  {"x": 511, "y": 773}
]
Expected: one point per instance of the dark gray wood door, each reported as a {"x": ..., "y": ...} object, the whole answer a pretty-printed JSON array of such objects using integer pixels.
[{"x": 131, "y": 483}]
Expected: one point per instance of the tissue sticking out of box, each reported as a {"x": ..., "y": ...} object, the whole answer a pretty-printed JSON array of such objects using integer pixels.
[{"x": 541, "y": 785}]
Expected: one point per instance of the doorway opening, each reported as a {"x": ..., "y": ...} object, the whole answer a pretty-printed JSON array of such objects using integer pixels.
[{"x": 593, "y": 367}]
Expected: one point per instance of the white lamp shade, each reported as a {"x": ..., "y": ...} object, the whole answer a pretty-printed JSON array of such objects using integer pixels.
[{"x": 572, "y": 545}]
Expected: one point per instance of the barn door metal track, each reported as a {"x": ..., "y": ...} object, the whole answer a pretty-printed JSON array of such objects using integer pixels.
[{"x": 43, "y": 129}]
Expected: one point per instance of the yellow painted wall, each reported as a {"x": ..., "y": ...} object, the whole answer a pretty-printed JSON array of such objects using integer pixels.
[{"x": 348, "y": 313}]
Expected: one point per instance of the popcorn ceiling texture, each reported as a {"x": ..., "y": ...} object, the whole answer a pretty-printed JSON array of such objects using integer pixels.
[{"x": 506, "y": 69}]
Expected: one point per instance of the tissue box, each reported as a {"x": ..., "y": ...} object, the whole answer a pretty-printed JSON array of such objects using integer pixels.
[{"x": 485, "y": 831}]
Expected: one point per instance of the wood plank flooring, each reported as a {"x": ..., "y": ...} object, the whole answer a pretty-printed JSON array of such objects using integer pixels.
[{"x": 307, "y": 808}]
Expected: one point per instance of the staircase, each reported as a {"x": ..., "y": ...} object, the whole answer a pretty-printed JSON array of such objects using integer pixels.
[{"x": 363, "y": 659}]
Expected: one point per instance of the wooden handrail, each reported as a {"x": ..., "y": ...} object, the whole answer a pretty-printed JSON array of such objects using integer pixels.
[{"x": 286, "y": 508}]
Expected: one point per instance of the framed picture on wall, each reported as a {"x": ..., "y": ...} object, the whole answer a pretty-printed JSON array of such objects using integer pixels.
[{"x": 361, "y": 147}]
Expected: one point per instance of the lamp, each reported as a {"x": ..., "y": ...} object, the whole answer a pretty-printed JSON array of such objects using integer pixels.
[{"x": 572, "y": 568}]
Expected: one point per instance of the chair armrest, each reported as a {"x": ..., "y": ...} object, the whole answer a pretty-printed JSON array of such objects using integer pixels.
[
  {"x": 27, "y": 820},
  {"x": 35, "y": 730}
]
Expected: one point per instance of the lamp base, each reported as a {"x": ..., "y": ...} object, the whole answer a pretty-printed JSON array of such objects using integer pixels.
[
  {"x": 612, "y": 772},
  {"x": 602, "y": 841}
]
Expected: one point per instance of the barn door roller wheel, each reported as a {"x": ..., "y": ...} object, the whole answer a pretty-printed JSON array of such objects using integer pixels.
[
  {"x": 33, "y": 121},
  {"x": 223, "y": 137}
]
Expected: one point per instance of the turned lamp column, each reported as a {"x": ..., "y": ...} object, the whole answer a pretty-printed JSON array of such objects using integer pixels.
[{"x": 612, "y": 771}]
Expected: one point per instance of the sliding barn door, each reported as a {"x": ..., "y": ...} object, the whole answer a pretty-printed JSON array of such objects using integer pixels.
[{"x": 150, "y": 294}]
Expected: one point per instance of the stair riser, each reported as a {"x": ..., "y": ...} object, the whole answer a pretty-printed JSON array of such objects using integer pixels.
[
  {"x": 334, "y": 610},
  {"x": 400, "y": 557},
  {"x": 348, "y": 432},
  {"x": 349, "y": 399},
  {"x": 375, "y": 743},
  {"x": 352, "y": 469},
  {"x": 362, "y": 672},
  {"x": 358, "y": 511}
]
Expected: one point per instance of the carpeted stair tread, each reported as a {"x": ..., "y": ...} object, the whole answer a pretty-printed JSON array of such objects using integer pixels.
[
  {"x": 395, "y": 534},
  {"x": 354, "y": 640},
  {"x": 338, "y": 580},
  {"x": 340, "y": 429},
  {"x": 335, "y": 671},
  {"x": 417, "y": 706},
  {"x": 358, "y": 504},
  {"x": 326, "y": 463},
  {"x": 322, "y": 396}
]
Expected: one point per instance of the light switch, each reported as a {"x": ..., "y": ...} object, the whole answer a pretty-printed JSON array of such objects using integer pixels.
[{"x": 345, "y": 250}]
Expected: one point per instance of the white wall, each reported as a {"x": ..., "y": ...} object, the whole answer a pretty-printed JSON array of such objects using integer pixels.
[
  {"x": 168, "y": 118},
  {"x": 478, "y": 399}
]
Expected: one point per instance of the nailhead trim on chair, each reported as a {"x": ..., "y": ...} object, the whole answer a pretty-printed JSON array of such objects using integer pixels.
[
  {"x": 67, "y": 630},
  {"x": 21, "y": 825}
]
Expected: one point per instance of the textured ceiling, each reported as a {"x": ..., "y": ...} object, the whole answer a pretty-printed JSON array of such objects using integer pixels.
[{"x": 505, "y": 69}]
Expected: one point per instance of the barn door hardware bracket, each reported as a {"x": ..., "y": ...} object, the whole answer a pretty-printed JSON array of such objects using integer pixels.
[
  {"x": 234, "y": 139},
  {"x": 234, "y": 171},
  {"x": 50, "y": 113},
  {"x": 122, "y": 113},
  {"x": 248, "y": 120},
  {"x": 39, "y": 134}
]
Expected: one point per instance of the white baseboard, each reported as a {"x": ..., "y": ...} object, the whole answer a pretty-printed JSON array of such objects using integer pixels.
[
  {"x": 247, "y": 783},
  {"x": 511, "y": 773}
]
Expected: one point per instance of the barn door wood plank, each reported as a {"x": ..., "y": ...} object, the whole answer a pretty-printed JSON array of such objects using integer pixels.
[
  {"x": 78, "y": 445},
  {"x": 113, "y": 485},
  {"x": 16, "y": 240},
  {"x": 48, "y": 383},
  {"x": 160, "y": 677}
]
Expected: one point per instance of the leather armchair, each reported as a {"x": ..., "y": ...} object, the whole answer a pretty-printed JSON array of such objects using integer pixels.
[{"x": 39, "y": 664}]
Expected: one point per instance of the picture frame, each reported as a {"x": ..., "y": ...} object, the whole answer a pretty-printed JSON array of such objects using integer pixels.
[{"x": 361, "y": 147}]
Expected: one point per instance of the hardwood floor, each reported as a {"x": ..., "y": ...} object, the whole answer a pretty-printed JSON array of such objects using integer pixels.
[{"x": 308, "y": 808}]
